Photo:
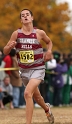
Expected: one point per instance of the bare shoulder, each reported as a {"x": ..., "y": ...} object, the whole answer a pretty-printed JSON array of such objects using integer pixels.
[
  {"x": 14, "y": 35},
  {"x": 40, "y": 32},
  {"x": 42, "y": 35}
]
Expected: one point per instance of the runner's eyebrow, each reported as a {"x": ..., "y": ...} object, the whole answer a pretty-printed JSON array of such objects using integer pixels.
[{"x": 24, "y": 14}]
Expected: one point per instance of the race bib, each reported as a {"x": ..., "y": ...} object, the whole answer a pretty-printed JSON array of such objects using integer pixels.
[{"x": 26, "y": 56}]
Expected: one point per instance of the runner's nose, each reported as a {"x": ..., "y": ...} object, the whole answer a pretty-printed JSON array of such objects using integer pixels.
[{"x": 25, "y": 16}]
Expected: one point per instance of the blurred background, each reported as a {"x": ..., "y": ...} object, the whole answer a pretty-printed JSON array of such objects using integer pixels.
[{"x": 53, "y": 16}]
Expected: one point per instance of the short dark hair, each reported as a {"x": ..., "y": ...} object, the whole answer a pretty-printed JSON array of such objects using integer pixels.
[{"x": 28, "y": 10}]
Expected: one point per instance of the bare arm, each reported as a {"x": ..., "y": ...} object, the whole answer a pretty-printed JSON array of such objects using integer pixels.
[
  {"x": 46, "y": 39},
  {"x": 11, "y": 44}
]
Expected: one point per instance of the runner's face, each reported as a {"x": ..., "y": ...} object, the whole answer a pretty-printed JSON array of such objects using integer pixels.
[{"x": 26, "y": 17}]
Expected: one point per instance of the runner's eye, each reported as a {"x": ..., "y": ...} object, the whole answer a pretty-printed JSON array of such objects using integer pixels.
[
  {"x": 22, "y": 16},
  {"x": 27, "y": 14}
]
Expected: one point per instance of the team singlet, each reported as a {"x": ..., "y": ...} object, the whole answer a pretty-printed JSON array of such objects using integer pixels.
[{"x": 29, "y": 51}]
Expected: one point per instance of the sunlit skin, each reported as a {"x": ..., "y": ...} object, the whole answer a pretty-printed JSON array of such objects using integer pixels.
[{"x": 26, "y": 17}]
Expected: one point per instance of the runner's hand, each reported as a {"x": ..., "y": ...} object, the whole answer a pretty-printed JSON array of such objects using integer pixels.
[
  {"x": 47, "y": 56},
  {"x": 11, "y": 44}
]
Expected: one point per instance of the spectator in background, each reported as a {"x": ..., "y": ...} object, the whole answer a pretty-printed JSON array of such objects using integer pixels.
[
  {"x": 44, "y": 87},
  {"x": 57, "y": 79},
  {"x": 15, "y": 79},
  {"x": 22, "y": 103},
  {"x": 8, "y": 63},
  {"x": 2, "y": 65},
  {"x": 1, "y": 103},
  {"x": 50, "y": 65},
  {"x": 67, "y": 78},
  {"x": 2, "y": 76},
  {"x": 6, "y": 92}
]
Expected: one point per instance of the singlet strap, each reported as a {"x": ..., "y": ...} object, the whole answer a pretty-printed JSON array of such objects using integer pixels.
[
  {"x": 20, "y": 31},
  {"x": 34, "y": 30}
]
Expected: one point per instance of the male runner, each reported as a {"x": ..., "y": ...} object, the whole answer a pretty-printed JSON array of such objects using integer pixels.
[{"x": 31, "y": 61}]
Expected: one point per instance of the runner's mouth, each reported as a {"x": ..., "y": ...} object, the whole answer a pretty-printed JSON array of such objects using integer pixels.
[{"x": 26, "y": 19}]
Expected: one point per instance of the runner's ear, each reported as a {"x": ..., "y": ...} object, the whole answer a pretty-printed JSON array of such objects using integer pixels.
[{"x": 32, "y": 18}]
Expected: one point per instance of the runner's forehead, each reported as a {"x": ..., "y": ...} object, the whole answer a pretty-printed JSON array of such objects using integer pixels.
[{"x": 25, "y": 12}]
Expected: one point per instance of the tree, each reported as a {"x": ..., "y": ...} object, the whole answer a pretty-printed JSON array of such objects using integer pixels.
[{"x": 48, "y": 16}]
